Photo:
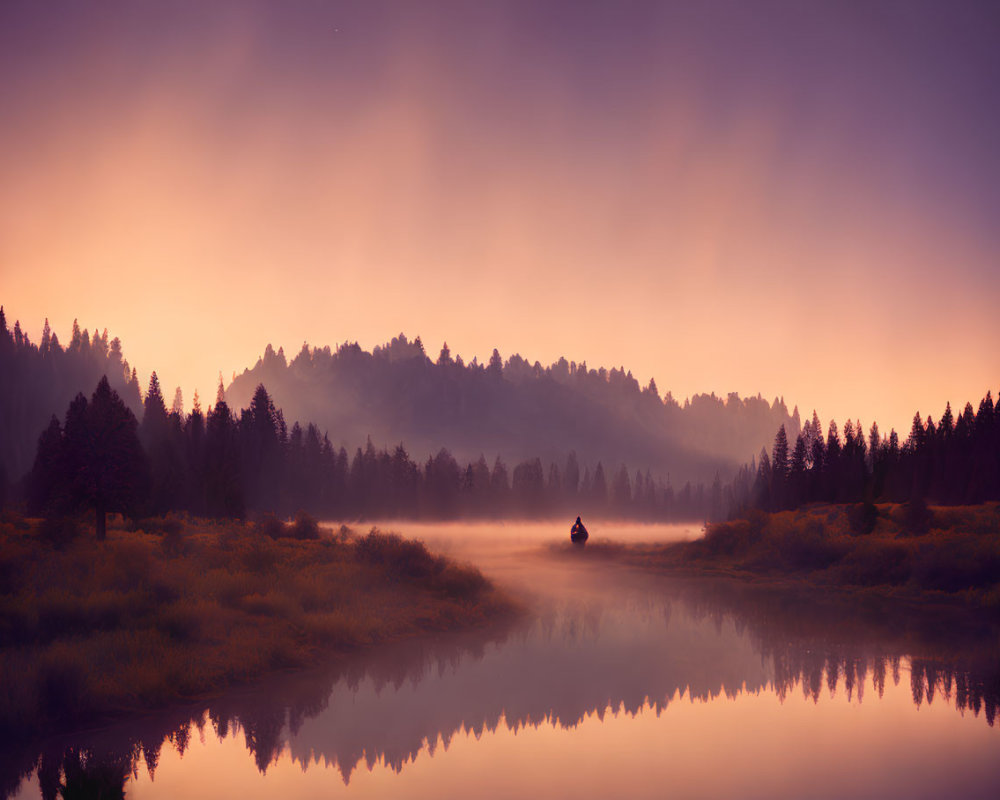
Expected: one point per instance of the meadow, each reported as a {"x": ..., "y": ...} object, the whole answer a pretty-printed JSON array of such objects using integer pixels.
[
  {"x": 909, "y": 552},
  {"x": 172, "y": 609}
]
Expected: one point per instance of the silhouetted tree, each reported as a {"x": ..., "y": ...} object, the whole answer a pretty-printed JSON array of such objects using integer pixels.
[
  {"x": 599, "y": 489},
  {"x": 621, "y": 491},
  {"x": 162, "y": 441},
  {"x": 223, "y": 490},
  {"x": 499, "y": 486},
  {"x": 779, "y": 469},
  {"x": 529, "y": 486},
  {"x": 48, "y": 481},
  {"x": 105, "y": 463}
]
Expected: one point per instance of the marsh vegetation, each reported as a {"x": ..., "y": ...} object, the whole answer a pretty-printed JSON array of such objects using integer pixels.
[
  {"x": 907, "y": 551},
  {"x": 173, "y": 608}
]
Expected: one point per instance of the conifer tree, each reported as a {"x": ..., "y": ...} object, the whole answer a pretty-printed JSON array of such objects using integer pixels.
[{"x": 103, "y": 457}]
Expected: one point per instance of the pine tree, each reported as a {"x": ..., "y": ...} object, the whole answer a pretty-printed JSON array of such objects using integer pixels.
[
  {"x": 495, "y": 367},
  {"x": 779, "y": 457},
  {"x": 154, "y": 416},
  {"x": 177, "y": 408},
  {"x": 47, "y": 482},
  {"x": 599, "y": 488},
  {"x": 797, "y": 472},
  {"x": 779, "y": 470},
  {"x": 947, "y": 426},
  {"x": 104, "y": 457},
  {"x": 571, "y": 475},
  {"x": 621, "y": 491}
]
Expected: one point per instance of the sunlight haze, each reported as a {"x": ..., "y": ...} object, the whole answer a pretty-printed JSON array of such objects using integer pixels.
[{"x": 723, "y": 196}]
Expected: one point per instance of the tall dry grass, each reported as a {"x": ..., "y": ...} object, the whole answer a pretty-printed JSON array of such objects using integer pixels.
[
  {"x": 948, "y": 553},
  {"x": 175, "y": 608}
]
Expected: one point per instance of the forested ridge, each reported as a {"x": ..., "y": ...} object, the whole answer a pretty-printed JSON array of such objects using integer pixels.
[
  {"x": 39, "y": 380},
  {"x": 224, "y": 462},
  {"x": 512, "y": 408}
]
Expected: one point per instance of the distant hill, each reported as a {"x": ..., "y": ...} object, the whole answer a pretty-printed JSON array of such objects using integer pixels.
[{"x": 513, "y": 408}]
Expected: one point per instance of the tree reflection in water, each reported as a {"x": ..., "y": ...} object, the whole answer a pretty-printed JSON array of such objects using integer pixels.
[{"x": 577, "y": 658}]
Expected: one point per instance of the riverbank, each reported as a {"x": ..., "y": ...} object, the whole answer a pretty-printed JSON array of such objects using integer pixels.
[
  {"x": 181, "y": 608},
  {"x": 940, "y": 555}
]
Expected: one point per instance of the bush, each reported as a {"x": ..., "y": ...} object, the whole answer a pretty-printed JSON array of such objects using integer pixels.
[
  {"x": 862, "y": 517},
  {"x": 875, "y": 563},
  {"x": 270, "y": 526},
  {"x": 737, "y": 536},
  {"x": 954, "y": 566},
  {"x": 304, "y": 527},
  {"x": 401, "y": 557},
  {"x": 260, "y": 557},
  {"x": 174, "y": 543},
  {"x": 158, "y": 525},
  {"x": 181, "y": 621},
  {"x": 809, "y": 547},
  {"x": 59, "y": 532},
  {"x": 917, "y": 517},
  {"x": 461, "y": 583}
]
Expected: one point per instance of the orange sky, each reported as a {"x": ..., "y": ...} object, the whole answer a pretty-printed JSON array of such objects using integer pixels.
[{"x": 637, "y": 192}]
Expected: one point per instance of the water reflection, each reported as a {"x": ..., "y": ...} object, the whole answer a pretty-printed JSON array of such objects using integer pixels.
[{"x": 617, "y": 643}]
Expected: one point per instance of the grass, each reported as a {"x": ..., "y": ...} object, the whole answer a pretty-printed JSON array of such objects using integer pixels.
[
  {"x": 168, "y": 610},
  {"x": 946, "y": 554}
]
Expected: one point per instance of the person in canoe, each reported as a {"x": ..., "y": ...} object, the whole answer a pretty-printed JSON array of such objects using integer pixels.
[{"x": 578, "y": 533}]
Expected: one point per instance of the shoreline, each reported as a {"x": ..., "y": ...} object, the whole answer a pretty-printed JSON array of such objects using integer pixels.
[
  {"x": 954, "y": 563},
  {"x": 181, "y": 610}
]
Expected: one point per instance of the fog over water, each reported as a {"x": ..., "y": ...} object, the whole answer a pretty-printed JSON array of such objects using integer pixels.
[{"x": 617, "y": 682}]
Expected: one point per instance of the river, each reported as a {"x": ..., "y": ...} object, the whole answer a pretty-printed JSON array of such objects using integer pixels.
[{"x": 618, "y": 683}]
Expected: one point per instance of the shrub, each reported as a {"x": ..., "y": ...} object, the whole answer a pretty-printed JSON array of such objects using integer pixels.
[
  {"x": 304, "y": 527},
  {"x": 260, "y": 557},
  {"x": 345, "y": 534},
  {"x": 862, "y": 517},
  {"x": 59, "y": 532},
  {"x": 402, "y": 557},
  {"x": 271, "y": 604},
  {"x": 174, "y": 543},
  {"x": 953, "y": 566},
  {"x": 874, "y": 563},
  {"x": 727, "y": 538},
  {"x": 158, "y": 525},
  {"x": 130, "y": 564},
  {"x": 737, "y": 536},
  {"x": 270, "y": 526},
  {"x": 181, "y": 621},
  {"x": 461, "y": 583},
  {"x": 809, "y": 547},
  {"x": 917, "y": 517}
]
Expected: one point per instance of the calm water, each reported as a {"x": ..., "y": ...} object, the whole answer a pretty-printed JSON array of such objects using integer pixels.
[{"x": 619, "y": 684}]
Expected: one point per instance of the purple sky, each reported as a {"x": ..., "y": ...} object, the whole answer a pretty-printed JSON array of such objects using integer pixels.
[{"x": 794, "y": 198}]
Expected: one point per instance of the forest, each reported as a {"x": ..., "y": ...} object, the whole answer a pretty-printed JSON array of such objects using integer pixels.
[
  {"x": 221, "y": 462},
  {"x": 513, "y": 408},
  {"x": 954, "y": 461},
  {"x": 228, "y": 462}
]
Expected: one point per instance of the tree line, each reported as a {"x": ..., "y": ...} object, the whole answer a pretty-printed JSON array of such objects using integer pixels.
[
  {"x": 513, "y": 407},
  {"x": 954, "y": 461},
  {"x": 223, "y": 464},
  {"x": 39, "y": 380}
]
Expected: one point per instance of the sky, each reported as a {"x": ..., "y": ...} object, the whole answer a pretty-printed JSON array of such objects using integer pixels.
[{"x": 798, "y": 199}]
